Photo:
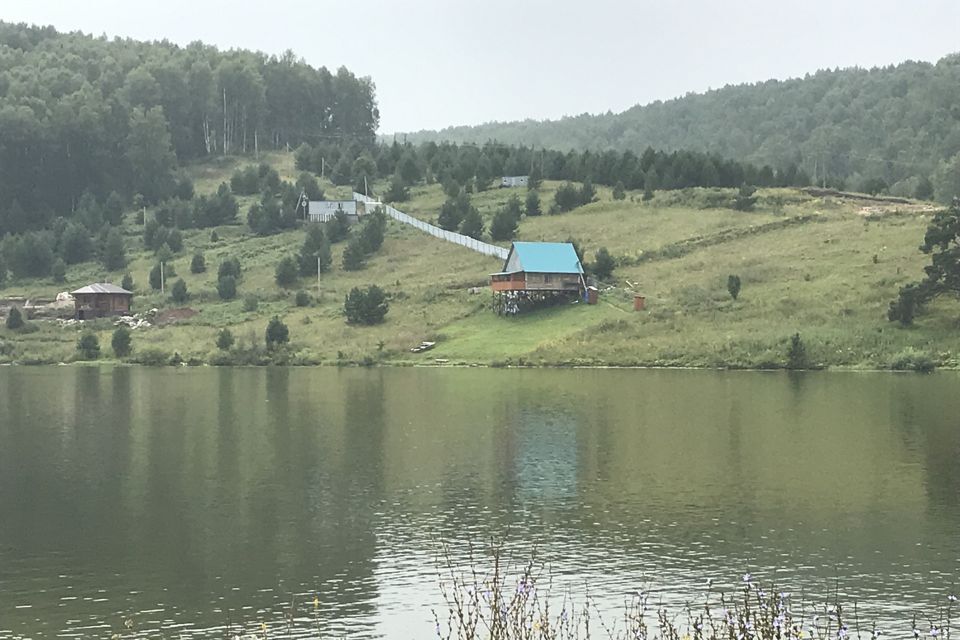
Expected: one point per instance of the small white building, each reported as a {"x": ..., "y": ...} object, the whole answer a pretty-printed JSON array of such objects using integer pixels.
[
  {"x": 325, "y": 210},
  {"x": 513, "y": 181}
]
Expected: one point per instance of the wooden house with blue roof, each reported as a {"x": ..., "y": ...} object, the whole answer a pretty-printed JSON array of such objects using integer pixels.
[{"x": 537, "y": 272}]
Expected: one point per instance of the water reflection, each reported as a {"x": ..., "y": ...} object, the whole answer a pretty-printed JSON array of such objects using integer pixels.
[{"x": 215, "y": 500}]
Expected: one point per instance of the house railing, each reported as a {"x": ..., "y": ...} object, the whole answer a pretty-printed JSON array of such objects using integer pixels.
[{"x": 450, "y": 236}]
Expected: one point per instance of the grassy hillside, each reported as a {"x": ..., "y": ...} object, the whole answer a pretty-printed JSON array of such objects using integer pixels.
[{"x": 823, "y": 268}]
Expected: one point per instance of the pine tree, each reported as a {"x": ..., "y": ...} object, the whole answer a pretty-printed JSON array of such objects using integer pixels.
[
  {"x": 114, "y": 253},
  {"x": 353, "y": 256},
  {"x": 472, "y": 224}
]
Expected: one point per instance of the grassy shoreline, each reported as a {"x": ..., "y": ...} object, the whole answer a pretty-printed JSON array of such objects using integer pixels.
[{"x": 824, "y": 268}]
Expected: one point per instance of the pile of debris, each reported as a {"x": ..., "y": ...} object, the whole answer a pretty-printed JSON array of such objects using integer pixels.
[{"x": 135, "y": 321}]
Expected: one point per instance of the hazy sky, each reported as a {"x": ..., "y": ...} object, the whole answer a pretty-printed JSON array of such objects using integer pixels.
[{"x": 446, "y": 62}]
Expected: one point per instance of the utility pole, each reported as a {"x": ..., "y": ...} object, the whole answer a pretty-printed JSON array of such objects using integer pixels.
[
  {"x": 318, "y": 278},
  {"x": 161, "y": 279},
  {"x": 323, "y": 166}
]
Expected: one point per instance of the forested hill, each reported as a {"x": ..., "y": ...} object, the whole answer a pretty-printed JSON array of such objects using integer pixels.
[
  {"x": 897, "y": 124},
  {"x": 79, "y": 114}
]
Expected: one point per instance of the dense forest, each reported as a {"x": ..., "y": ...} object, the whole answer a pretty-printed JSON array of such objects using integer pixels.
[
  {"x": 115, "y": 119},
  {"x": 893, "y": 128}
]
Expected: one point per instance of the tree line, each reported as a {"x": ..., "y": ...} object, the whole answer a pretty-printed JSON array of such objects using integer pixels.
[
  {"x": 83, "y": 114},
  {"x": 479, "y": 167},
  {"x": 893, "y": 129}
]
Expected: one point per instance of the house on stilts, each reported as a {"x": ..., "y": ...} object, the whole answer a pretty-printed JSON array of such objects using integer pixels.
[{"x": 538, "y": 274}]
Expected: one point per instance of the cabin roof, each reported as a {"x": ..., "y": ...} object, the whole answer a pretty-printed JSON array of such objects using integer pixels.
[
  {"x": 543, "y": 257},
  {"x": 101, "y": 287}
]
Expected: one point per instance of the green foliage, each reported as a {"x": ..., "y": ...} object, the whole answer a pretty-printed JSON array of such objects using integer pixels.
[
  {"x": 354, "y": 256},
  {"x": 338, "y": 228},
  {"x": 175, "y": 240},
  {"x": 454, "y": 210},
  {"x": 227, "y": 287},
  {"x": 874, "y": 186},
  {"x": 745, "y": 198},
  {"x": 942, "y": 242},
  {"x": 533, "y": 203},
  {"x": 367, "y": 306},
  {"x": 198, "y": 264},
  {"x": 127, "y": 282},
  {"x": 250, "y": 303},
  {"x": 286, "y": 272},
  {"x": 214, "y": 237},
  {"x": 75, "y": 244},
  {"x": 230, "y": 267},
  {"x": 114, "y": 252},
  {"x": 569, "y": 197},
  {"x": 277, "y": 333},
  {"x": 30, "y": 254},
  {"x": 911, "y": 359},
  {"x": 59, "y": 271},
  {"x": 398, "y": 191},
  {"x": 113, "y": 208},
  {"x": 269, "y": 216},
  {"x": 797, "y": 353},
  {"x": 924, "y": 189},
  {"x": 507, "y": 219},
  {"x": 149, "y": 152},
  {"x": 373, "y": 230},
  {"x": 155, "y": 277},
  {"x": 315, "y": 254},
  {"x": 178, "y": 292},
  {"x": 619, "y": 192},
  {"x": 733, "y": 286},
  {"x": 603, "y": 264},
  {"x": 88, "y": 346},
  {"x": 307, "y": 183},
  {"x": 14, "y": 319},
  {"x": 121, "y": 342},
  {"x": 472, "y": 224},
  {"x": 224, "y": 339},
  {"x": 211, "y": 211},
  {"x": 302, "y": 299}
]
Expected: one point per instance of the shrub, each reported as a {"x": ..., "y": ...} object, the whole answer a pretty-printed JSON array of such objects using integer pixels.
[
  {"x": 121, "y": 342},
  {"x": 178, "y": 292},
  {"x": 251, "y": 303},
  {"x": 603, "y": 264},
  {"x": 151, "y": 357},
  {"x": 155, "y": 277},
  {"x": 88, "y": 346},
  {"x": 59, "y": 270},
  {"x": 224, "y": 339},
  {"x": 277, "y": 333},
  {"x": 15, "y": 319},
  {"x": 733, "y": 286},
  {"x": 533, "y": 203},
  {"x": 618, "y": 191},
  {"x": 373, "y": 230},
  {"x": 175, "y": 241},
  {"x": 286, "y": 272},
  {"x": 366, "y": 306},
  {"x": 229, "y": 267},
  {"x": 472, "y": 224},
  {"x": 911, "y": 359},
  {"x": 745, "y": 198},
  {"x": 127, "y": 282},
  {"x": 797, "y": 353},
  {"x": 302, "y": 299},
  {"x": 198, "y": 264},
  {"x": 214, "y": 236},
  {"x": 227, "y": 287},
  {"x": 353, "y": 256},
  {"x": 315, "y": 252}
]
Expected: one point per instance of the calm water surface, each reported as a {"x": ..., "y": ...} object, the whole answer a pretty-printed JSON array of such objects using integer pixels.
[{"x": 198, "y": 500}]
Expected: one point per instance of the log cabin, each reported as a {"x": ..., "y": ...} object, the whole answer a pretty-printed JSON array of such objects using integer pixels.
[{"x": 100, "y": 300}]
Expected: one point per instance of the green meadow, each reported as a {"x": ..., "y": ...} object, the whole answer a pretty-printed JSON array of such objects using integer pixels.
[{"x": 825, "y": 269}]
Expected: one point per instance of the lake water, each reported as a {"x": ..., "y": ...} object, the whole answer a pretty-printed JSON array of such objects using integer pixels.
[{"x": 199, "y": 502}]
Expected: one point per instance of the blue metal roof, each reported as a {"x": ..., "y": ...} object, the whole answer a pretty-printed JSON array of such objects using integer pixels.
[{"x": 546, "y": 257}]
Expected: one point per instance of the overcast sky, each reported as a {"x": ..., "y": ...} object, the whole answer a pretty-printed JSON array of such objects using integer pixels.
[{"x": 445, "y": 62}]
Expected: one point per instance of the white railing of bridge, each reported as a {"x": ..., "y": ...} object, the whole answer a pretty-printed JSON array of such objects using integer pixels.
[{"x": 450, "y": 236}]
